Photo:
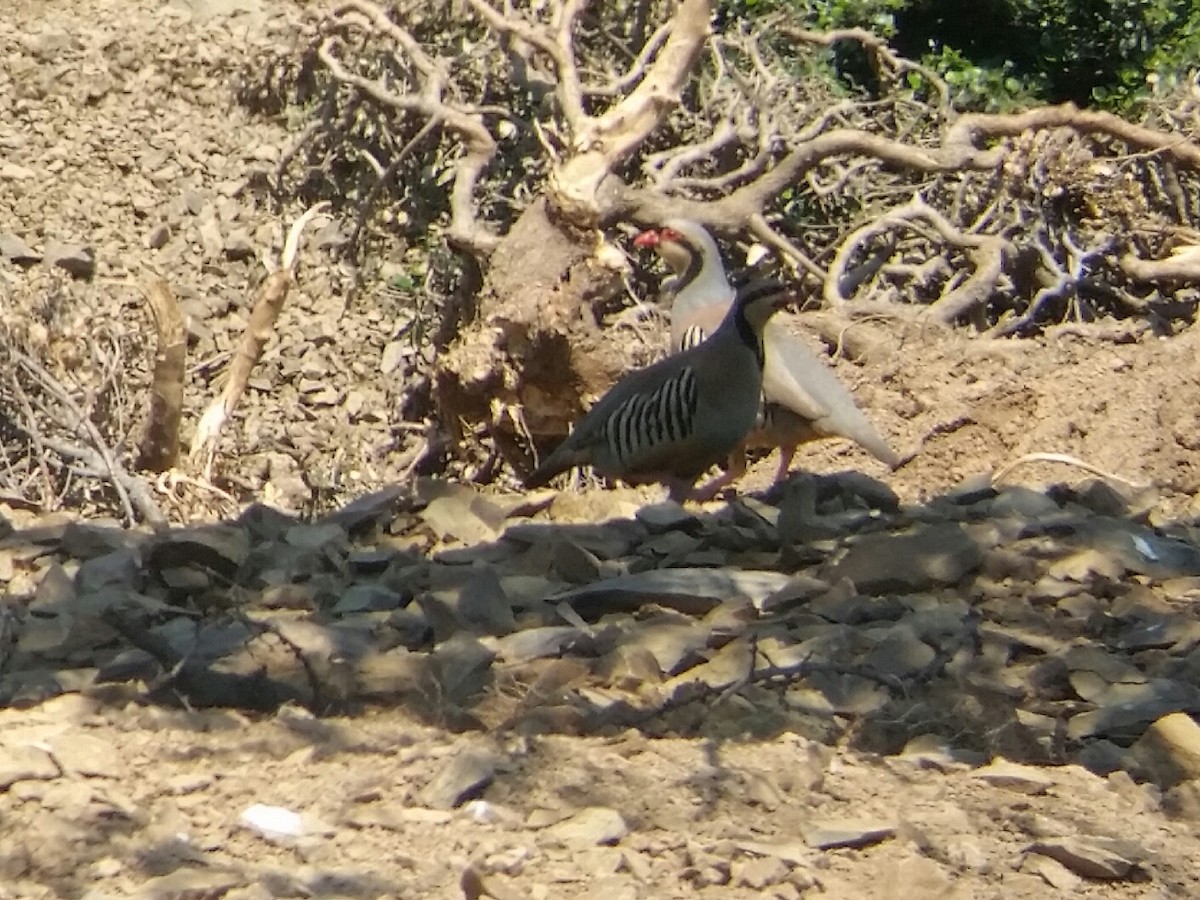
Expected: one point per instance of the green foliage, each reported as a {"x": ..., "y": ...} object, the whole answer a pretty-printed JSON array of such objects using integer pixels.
[
  {"x": 876, "y": 15},
  {"x": 998, "y": 55},
  {"x": 1091, "y": 49},
  {"x": 1167, "y": 64},
  {"x": 993, "y": 88}
]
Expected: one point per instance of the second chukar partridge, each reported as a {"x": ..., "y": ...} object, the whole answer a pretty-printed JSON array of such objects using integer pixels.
[
  {"x": 803, "y": 400},
  {"x": 672, "y": 421}
]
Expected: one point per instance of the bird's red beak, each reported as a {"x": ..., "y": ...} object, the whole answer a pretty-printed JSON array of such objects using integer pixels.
[{"x": 648, "y": 238}]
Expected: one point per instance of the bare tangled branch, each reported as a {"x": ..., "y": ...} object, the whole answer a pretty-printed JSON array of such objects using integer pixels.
[
  {"x": 427, "y": 100},
  {"x": 561, "y": 118}
]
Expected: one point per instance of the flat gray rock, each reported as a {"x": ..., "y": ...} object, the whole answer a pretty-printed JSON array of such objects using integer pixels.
[
  {"x": 847, "y": 833},
  {"x": 826, "y": 692},
  {"x": 1130, "y": 707},
  {"x": 78, "y": 260},
  {"x": 667, "y": 516},
  {"x": 80, "y": 753},
  {"x": 575, "y": 563},
  {"x": 901, "y": 654},
  {"x": 462, "y": 779},
  {"x": 121, "y": 568},
  {"x": 538, "y": 643},
  {"x": 366, "y": 598},
  {"x": 1015, "y": 777},
  {"x": 16, "y": 250},
  {"x": 690, "y": 591},
  {"x": 596, "y": 825},
  {"x": 1169, "y": 751},
  {"x": 674, "y": 645},
  {"x": 481, "y": 604},
  {"x": 221, "y": 548},
  {"x": 1091, "y": 857},
  {"x": 366, "y": 510},
  {"x": 929, "y": 557},
  {"x": 729, "y": 666}
]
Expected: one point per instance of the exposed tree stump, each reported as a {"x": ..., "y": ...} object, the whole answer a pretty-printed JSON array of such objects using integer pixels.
[{"x": 536, "y": 357}]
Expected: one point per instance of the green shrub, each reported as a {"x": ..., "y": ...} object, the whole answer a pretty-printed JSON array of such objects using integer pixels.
[{"x": 1001, "y": 54}]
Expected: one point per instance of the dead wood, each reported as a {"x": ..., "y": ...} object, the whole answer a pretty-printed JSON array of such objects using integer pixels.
[
  {"x": 538, "y": 356},
  {"x": 265, "y": 311},
  {"x": 158, "y": 450},
  {"x": 1180, "y": 268},
  {"x": 54, "y": 421},
  {"x": 428, "y": 99}
]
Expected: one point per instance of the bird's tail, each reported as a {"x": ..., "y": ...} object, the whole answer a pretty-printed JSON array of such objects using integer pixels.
[
  {"x": 540, "y": 477},
  {"x": 562, "y": 459}
]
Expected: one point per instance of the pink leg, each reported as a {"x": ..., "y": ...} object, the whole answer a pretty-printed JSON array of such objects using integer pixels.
[
  {"x": 786, "y": 453},
  {"x": 679, "y": 490},
  {"x": 735, "y": 468}
]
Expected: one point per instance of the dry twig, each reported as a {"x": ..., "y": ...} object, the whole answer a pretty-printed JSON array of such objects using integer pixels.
[
  {"x": 428, "y": 100},
  {"x": 267, "y": 306},
  {"x": 99, "y": 457},
  {"x": 986, "y": 252},
  {"x": 1065, "y": 459}
]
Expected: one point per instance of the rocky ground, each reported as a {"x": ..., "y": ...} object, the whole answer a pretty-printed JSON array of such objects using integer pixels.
[{"x": 918, "y": 684}]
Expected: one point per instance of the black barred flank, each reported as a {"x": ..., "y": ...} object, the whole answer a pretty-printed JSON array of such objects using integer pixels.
[
  {"x": 643, "y": 421},
  {"x": 692, "y": 337}
]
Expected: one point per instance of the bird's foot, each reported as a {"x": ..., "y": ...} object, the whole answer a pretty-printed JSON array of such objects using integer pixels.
[{"x": 721, "y": 485}]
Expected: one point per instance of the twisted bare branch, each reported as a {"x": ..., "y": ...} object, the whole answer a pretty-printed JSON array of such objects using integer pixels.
[{"x": 465, "y": 230}]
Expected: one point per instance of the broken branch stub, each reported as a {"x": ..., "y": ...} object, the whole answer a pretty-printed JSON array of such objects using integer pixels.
[
  {"x": 158, "y": 450},
  {"x": 267, "y": 306}
]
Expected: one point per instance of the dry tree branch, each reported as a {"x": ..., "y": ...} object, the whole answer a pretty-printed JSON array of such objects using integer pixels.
[
  {"x": 159, "y": 447},
  {"x": 558, "y": 43},
  {"x": 570, "y": 89},
  {"x": 960, "y": 151},
  {"x": 1066, "y": 280},
  {"x": 601, "y": 143},
  {"x": 637, "y": 69},
  {"x": 1181, "y": 267},
  {"x": 986, "y": 252},
  {"x": 81, "y": 425},
  {"x": 887, "y": 63},
  {"x": 381, "y": 181},
  {"x": 747, "y": 110},
  {"x": 971, "y": 129},
  {"x": 1065, "y": 459},
  {"x": 267, "y": 306},
  {"x": 32, "y": 430},
  {"x": 100, "y": 458},
  {"x": 132, "y": 490},
  {"x": 667, "y": 164},
  {"x": 1061, "y": 284},
  {"x": 465, "y": 229},
  {"x": 762, "y": 230}
]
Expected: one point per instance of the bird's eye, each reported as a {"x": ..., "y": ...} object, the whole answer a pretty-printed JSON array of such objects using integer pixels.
[{"x": 670, "y": 234}]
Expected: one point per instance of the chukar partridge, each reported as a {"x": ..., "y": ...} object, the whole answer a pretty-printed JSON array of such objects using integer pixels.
[
  {"x": 803, "y": 400},
  {"x": 672, "y": 421}
]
